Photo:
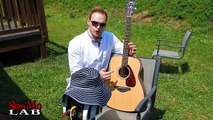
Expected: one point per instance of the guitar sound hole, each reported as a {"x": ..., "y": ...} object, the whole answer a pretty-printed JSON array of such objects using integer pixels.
[{"x": 124, "y": 72}]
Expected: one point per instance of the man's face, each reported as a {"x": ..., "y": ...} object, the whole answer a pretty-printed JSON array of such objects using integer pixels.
[{"x": 97, "y": 24}]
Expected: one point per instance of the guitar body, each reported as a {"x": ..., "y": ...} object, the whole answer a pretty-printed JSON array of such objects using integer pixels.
[{"x": 127, "y": 90}]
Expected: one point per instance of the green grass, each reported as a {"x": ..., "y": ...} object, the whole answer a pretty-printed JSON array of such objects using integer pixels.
[{"x": 45, "y": 80}]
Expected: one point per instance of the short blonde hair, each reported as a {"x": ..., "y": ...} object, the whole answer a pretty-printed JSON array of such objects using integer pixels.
[{"x": 99, "y": 10}]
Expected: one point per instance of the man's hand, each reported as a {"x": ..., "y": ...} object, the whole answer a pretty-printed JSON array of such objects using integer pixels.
[
  {"x": 105, "y": 75},
  {"x": 132, "y": 49}
]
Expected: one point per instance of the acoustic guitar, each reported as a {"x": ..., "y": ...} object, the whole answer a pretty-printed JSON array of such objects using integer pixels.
[{"x": 126, "y": 82}]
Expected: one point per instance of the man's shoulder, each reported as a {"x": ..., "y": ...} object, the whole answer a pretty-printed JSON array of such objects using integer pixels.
[
  {"x": 79, "y": 37},
  {"x": 107, "y": 33},
  {"x": 82, "y": 35}
]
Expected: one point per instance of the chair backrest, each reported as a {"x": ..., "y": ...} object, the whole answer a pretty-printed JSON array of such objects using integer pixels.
[
  {"x": 151, "y": 69},
  {"x": 148, "y": 66},
  {"x": 185, "y": 41}
]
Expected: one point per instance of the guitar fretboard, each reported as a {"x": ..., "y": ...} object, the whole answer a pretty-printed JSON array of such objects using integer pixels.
[{"x": 126, "y": 41}]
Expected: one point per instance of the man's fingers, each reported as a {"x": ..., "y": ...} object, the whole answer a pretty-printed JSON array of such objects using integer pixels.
[
  {"x": 130, "y": 43},
  {"x": 107, "y": 78},
  {"x": 107, "y": 75},
  {"x": 109, "y": 72},
  {"x": 134, "y": 50},
  {"x": 104, "y": 70}
]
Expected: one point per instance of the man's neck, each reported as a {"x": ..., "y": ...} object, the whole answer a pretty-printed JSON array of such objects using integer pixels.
[{"x": 92, "y": 37}]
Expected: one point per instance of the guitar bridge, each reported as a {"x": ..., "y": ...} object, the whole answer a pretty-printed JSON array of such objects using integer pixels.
[{"x": 122, "y": 89}]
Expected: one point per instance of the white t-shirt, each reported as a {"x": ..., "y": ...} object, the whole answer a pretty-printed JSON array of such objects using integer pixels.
[{"x": 84, "y": 51}]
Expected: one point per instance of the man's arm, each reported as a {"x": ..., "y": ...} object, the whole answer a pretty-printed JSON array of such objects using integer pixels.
[
  {"x": 118, "y": 47},
  {"x": 74, "y": 57}
]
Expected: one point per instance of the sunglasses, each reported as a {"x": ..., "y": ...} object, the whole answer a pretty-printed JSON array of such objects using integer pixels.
[{"x": 96, "y": 24}]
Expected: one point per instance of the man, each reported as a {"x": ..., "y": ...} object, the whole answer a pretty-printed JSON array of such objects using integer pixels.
[{"x": 94, "y": 47}]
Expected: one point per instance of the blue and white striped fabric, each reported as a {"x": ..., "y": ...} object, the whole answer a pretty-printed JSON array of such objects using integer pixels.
[
  {"x": 86, "y": 112},
  {"x": 86, "y": 87}
]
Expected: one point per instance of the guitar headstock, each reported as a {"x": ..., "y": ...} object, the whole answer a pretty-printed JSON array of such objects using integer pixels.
[{"x": 130, "y": 7}]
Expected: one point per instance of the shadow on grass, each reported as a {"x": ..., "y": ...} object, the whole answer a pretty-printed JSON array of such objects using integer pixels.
[
  {"x": 173, "y": 71},
  {"x": 157, "y": 114},
  {"x": 185, "y": 67},
  {"x": 55, "y": 49},
  {"x": 11, "y": 91},
  {"x": 29, "y": 55},
  {"x": 18, "y": 57}
]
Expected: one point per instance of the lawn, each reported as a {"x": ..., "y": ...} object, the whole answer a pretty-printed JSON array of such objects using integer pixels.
[{"x": 45, "y": 79}]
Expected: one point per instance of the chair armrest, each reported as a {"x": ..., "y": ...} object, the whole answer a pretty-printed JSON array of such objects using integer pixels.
[
  {"x": 165, "y": 40},
  {"x": 169, "y": 46},
  {"x": 142, "y": 103}
]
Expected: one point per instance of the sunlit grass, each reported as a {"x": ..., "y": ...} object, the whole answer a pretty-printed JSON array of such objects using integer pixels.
[{"x": 187, "y": 98}]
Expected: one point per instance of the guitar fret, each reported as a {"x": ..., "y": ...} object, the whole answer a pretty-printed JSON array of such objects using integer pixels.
[{"x": 126, "y": 40}]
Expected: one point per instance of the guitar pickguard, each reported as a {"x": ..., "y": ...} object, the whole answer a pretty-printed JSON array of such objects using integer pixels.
[{"x": 130, "y": 81}]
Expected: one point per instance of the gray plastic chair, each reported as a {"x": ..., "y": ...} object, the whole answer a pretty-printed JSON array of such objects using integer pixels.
[
  {"x": 146, "y": 105},
  {"x": 172, "y": 49},
  {"x": 169, "y": 44}
]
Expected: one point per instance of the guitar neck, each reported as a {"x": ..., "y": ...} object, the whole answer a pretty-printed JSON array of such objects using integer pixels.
[{"x": 126, "y": 41}]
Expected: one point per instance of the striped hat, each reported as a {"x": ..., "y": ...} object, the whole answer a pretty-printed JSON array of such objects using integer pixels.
[{"x": 88, "y": 88}]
